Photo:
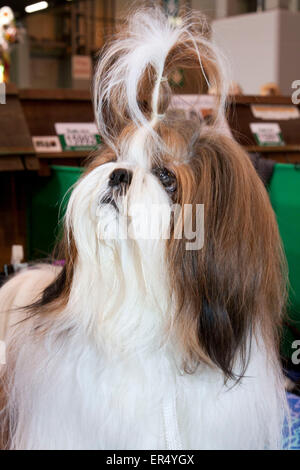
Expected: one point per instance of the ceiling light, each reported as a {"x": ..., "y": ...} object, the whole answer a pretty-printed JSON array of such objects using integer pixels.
[{"x": 36, "y": 7}]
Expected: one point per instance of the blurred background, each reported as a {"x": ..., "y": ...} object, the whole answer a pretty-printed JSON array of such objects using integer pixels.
[{"x": 52, "y": 34}]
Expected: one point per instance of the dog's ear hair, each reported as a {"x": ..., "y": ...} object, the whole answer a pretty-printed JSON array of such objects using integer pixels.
[
  {"x": 131, "y": 78},
  {"x": 235, "y": 286},
  {"x": 57, "y": 293}
]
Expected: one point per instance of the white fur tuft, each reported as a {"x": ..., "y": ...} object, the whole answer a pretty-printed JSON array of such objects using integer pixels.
[{"x": 149, "y": 38}]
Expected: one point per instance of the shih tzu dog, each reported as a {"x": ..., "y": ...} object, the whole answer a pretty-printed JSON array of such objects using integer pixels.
[{"x": 161, "y": 331}]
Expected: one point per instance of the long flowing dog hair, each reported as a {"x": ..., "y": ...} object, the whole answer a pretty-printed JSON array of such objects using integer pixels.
[{"x": 210, "y": 305}]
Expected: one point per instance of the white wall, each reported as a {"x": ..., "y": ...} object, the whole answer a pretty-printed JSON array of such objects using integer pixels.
[
  {"x": 208, "y": 7},
  {"x": 289, "y": 67},
  {"x": 272, "y": 4},
  {"x": 261, "y": 47}
]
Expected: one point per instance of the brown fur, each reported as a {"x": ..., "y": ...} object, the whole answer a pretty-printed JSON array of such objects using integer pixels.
[
  {"x": 4, "y": 427},
  {"x": 235, "y": 285}
]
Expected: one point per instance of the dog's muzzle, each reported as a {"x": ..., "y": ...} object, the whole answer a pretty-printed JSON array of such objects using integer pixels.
[
  {"x": 120, "y": 179},
  {"x": 119, "y": 182}
]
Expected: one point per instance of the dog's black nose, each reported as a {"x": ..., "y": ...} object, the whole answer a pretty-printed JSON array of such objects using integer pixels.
[{"x": 120, "y": 176}]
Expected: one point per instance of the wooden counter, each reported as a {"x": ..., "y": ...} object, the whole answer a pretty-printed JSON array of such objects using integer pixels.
[
  {"x": 15, "y": 138},
  {"x": 240, "y": 116},
  {"x": 44, "y": 108}
]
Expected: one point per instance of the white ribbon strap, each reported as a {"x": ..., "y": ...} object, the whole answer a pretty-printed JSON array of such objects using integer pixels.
[{"x": 172, "y": 435}]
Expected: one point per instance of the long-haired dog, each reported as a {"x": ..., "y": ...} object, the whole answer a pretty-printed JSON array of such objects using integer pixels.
[{"x": 152, "y": 339}]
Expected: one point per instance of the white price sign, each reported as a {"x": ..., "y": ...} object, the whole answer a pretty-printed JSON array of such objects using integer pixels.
[
  {"x": 46, "y": 144},
  {"x": 78, "y": 136},
  {"x": 267, "y": 134}
]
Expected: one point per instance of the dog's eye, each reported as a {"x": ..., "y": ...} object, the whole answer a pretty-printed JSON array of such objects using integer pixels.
[{"x": 167, "y": 179}]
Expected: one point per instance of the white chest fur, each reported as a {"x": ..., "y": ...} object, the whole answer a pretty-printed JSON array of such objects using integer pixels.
[{"x": 73, "y": 398}]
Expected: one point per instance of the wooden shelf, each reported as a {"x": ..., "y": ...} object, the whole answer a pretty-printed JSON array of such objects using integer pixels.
[
  {"x": 15, "y": 138},
  {"x": 270, "y": 100},
  {"x": 31, "y": 113},
  {"x": 66, "y": 154},
  {"x": 240, "y": 116},
  {"x": 58, "y": 94},
  {"x": 11, "y": 164},
  {"x": 11, "y": 89},
  {"x": 34, "y": 112},
  {"x": 278, "y": 149},
  {"x": 44, "y": 108},
  {"x": 16, "y": 151}
]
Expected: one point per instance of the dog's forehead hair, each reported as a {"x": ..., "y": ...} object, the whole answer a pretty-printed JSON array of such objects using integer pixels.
[
  {"x": 174, "y": 147},
  {"x": 136, "y": 150}
]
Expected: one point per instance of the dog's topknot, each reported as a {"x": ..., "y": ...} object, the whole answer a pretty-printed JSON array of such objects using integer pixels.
[{"x": 131, "y": 80}]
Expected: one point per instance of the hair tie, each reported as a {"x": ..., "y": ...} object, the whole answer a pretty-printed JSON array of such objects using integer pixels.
[{"x": 158, "y": 117}]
